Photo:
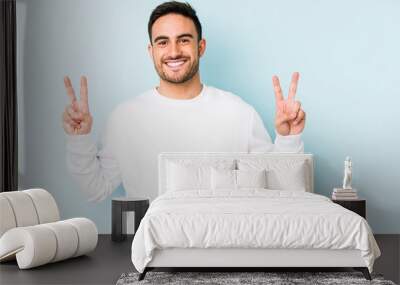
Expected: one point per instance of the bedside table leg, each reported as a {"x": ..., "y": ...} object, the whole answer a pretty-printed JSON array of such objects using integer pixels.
[
  {"x": 139, "y": 214},
  {"x": 116, "y": 226}
]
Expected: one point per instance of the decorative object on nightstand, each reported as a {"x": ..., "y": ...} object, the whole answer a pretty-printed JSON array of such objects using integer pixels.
[
  {"x": 347, "y": 192},
  {"x": 347, "y": 173},
  {"x": 358, "y": 206},
  {"x": 344, "y": 194},
  {"x": 120, "y": 206}
]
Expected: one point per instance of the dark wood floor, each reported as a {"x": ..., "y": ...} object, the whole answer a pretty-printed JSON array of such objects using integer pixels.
[{"x": 110, "y": 260}]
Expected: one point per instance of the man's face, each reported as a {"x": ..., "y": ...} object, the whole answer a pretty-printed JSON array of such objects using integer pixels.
[{"x": 175, "y": 48}]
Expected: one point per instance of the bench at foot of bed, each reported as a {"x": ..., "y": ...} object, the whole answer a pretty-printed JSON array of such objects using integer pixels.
[{"x": 364, "y": 271}]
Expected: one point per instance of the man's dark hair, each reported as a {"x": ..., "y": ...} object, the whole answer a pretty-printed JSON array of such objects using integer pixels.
[{"x": 174, "y": 7}]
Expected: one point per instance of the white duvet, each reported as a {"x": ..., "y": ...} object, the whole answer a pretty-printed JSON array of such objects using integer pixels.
[{"x": 251, "y": 218}]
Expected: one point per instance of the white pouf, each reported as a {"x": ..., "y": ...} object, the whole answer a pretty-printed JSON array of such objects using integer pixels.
[{"x": 31, "y": 233}]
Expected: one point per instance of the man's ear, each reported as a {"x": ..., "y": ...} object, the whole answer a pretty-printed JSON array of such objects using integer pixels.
[
  {"x": 202, "y": 47},
  {"x": 150, "y": 50}
]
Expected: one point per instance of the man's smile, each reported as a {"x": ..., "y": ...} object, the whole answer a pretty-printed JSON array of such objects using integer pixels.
[{"x": 175, "y": 64}]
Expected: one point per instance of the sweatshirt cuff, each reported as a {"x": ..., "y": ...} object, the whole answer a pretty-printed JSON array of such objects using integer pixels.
[
  {"x": 78, "y": 142},
  {"x": 289, "y": 141}
]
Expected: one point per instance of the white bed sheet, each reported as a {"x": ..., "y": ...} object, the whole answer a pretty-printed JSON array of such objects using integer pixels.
[{"x": 250, "y": 218}]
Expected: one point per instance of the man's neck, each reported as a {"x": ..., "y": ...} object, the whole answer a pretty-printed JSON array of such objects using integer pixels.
[{"x": 182, "y": 91}]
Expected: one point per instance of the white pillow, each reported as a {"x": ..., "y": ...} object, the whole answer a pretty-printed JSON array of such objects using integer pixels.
[
  {"x": 189, "y": 173},
  {"x": 251, "y": 178},
  {"x": 183, "y": 177},
  {"x": 293, "y": 178},
  {"x": 223, "y": 179},
  {"x": 282, "y": 174},
  {"x": 237, "y": 179}
]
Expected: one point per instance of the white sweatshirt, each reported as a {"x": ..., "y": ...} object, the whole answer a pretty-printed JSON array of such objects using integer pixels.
[{"x": 141, "y": 128}]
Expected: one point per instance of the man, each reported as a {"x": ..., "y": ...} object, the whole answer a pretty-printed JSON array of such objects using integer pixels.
[{"x": 181, "y": 114}]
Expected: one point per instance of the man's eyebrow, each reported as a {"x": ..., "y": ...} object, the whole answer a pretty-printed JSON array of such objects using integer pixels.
[
  {"x": 185, "y": 35},
  {"x": 179, "y": 37},
  {"x": 160, "y": 38}
]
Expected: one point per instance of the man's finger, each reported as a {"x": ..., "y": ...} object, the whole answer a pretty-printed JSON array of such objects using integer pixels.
[
  {"x": 84, "y": 95},
  {"x": 68, "y": 128},
  {"x": 282, "y": 118},
  {"x": 71, "y": 93},
  {"x": 293, "y": 86},
  {"x": 301, "y": 116},
  {"x": 295, "y": 108},
  {"x": 73, "y": 114},
  {"x": 277, "y": 88},
  {"x": 69, "y": 88},
  {"x": 67, "y": 119}
]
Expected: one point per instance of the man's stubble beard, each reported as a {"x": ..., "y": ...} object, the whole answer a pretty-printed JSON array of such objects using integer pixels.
[{"x": 191, "y": 72}]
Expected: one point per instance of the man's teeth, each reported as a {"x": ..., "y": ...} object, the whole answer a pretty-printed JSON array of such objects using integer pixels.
[{"x": 175, "y": 63}]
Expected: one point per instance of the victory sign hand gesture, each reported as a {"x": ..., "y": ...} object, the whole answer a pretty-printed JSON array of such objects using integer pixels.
[
  {"x": 289, "y": 118},
  {"x": 76, "y": 117}
]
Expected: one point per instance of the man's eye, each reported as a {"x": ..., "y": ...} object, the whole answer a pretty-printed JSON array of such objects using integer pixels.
[
  {"x": 184, "y": 41},
  {"x": 162, "y": 43}
]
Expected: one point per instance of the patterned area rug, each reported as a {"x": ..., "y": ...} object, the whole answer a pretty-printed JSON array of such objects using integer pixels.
[{"x": 269, "y": 278}]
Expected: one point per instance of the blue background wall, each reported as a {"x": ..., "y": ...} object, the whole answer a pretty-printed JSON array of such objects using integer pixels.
[{"x": 347, "y": 53}]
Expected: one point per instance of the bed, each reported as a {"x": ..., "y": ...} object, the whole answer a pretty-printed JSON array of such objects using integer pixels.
[{"x": 246, "y": 210}]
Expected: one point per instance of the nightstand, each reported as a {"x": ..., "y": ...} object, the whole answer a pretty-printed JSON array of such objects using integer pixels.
[
  {"x": 120, "y": 206},
  {"x": 358, "y": 206}
]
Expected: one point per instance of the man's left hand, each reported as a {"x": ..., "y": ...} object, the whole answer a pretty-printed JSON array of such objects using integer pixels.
[{"x": 290, "y": 118}]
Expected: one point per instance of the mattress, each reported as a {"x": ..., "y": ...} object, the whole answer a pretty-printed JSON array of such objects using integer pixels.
[{"x": 250, "y": 219}]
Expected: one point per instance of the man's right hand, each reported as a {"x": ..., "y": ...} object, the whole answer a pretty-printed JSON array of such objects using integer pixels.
[{"x": 76, "y": 117}]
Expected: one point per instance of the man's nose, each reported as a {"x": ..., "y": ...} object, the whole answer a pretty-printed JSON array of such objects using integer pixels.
[{"x": 175, "y": 50}]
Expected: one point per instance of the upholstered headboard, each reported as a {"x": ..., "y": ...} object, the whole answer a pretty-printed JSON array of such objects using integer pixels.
[{"x": 227, "y": 158}]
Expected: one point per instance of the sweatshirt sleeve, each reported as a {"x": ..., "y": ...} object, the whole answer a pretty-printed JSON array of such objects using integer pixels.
[
  {"x": 260, "y": 140},
  {"x": 95, "y": 170}
]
